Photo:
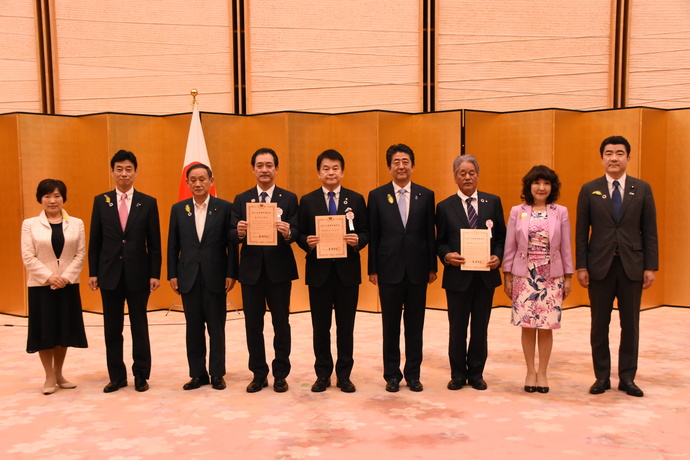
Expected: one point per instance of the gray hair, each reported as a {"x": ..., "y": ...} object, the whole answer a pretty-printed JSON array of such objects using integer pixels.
[{"x": 465, "y": 159}]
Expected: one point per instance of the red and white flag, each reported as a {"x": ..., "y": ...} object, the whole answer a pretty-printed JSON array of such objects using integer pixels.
[{"x": 196, "y": 153}]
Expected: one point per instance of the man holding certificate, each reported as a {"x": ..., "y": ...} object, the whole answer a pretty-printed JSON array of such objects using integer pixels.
[
  {"x": 470, "y": 239},
  {"x": 264, "y": 221},
  {"x": 334, "y": 228}
]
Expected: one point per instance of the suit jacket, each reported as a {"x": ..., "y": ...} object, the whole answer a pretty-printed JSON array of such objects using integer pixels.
[
  {"x": 517, "y": 240},
  {"x": 215, "y": 256},
  {"x": 450, "y": 218},
  {"x": 394, "y": 249},
  {"x": 279, "y": 260},
  {"x": 597, "y": 234},
  {"x": 137, "y": 249},
  {"x": 37, "y": 249},
  {"x": 349, "y": 269}
]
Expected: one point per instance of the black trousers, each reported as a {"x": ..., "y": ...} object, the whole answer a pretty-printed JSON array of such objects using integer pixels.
[
  {"x": 474, "y": 304},
  {"x": 602, "y": 292},
  {"x": 404, "y": 300},
  {"x": 113, "y": 324},
  {"x": 255, "y": 297},
  {"x": 205, "y": 310},
  {"x": 323, "y": 300}
]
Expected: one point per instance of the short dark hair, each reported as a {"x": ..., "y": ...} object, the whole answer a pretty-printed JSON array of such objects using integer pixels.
[
  {"x": 613, "y": 140},
  {"x": 398, "y": 148},
  {"x": 330, "y": 154},
  {"x": 536, "y": 173},
  {"x": 262, "y": 151},
  {"x": 47, "y": 186},
  {"x": 123, "y": 155},
  {"x": 198, "y": 166}
]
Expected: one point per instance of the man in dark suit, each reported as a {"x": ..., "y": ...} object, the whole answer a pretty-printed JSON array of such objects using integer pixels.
[
  {"x": 266, "y": 272},
  {"x": 617, "y": 255},
  {"x": 125, "y": 262},
  {"x": 333, "y": 282},
  {"x": 469, "y": 293},
  {"x": 202, "y": 267},
  {"x": 402, "y": 263}
]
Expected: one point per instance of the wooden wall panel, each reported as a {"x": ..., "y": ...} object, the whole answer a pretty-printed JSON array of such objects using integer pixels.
[
  {"x": 231, "y": 141},
  {"x": 507, "y": 146},
  {"x": 13, "y": 274},
  {"x": 673, "y": 201},
  {"x": 435, "y": 140},
  {"x": 653, "y": 168},
  {"x": 74, "y": 151},
  {"x": 78, "y": 150}
]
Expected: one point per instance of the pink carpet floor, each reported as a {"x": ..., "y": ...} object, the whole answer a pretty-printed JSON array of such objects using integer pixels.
[{"x": 500, "y": 423}]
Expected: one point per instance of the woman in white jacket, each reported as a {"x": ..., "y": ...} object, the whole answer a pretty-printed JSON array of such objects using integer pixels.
[{"x": 53, "y": 251}]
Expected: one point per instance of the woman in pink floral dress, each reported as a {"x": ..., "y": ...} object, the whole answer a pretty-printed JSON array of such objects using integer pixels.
[{"x": 537, "y": 267}]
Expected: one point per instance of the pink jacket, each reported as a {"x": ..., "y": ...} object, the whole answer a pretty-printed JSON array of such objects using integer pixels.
[{"x": 515, "y": 255}]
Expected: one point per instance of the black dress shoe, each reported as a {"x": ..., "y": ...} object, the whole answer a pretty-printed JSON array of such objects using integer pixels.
[
  {"x": 393, "y": 385},
  {"x": 530, "y": 389},
  {"x": 630, "y": 388},
  {"x": 478, "y": 384},
  {"x": 599, "y": 386},
  {"x": 415, "y": 385},
  {"x": 140, "y": 384},
  {"x": 195, "y": 383},
  {"x": 114, "y": 386},
  {"x": 256, "y": 385},
  {"x": 542, "y": 389},
  {"x": 346, "y": 386},
  {"x": 218, "y": 383},
  {"x": 456, "y": 384},
  {"x": 280, "y": 385},
  {"x": 321, "y": 384}
]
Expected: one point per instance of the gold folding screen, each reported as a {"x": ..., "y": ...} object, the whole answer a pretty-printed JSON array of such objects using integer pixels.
[{"x": 77, "y": 150}]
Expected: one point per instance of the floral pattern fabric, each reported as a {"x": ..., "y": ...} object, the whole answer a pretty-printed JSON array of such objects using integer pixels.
[{"x": 538, "y": 297}]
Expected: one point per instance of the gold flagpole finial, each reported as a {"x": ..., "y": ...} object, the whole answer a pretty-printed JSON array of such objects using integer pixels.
[{"x": 194, "y": 93}]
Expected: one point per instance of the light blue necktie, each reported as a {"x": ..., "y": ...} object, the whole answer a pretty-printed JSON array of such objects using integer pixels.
[{"x": 402, "y": 206}]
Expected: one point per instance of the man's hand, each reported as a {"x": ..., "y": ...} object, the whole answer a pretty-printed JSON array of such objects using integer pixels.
[
  {"x": 173, "y": 285},
  {"x": 374, "y": 279},
  {"x": 454, "y": 259},
  {"x": 432, "y": 277},
  {"x": 242, "y": 229},
  {"x": 649, "y": 277},
  {"x": 154, "y": 283},
  {"x": 494, "y": 261},
  {"x": 229, "y": 284},
  {"x": 583, "y": 278},
  {"x": 93, "y": 283}
]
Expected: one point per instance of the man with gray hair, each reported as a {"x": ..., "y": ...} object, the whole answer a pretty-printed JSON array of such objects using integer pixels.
[{"x": 469, "y": 292}]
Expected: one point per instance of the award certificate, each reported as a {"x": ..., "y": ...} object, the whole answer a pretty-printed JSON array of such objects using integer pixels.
[
  {"x": 476, "y": 249},
  {"x": 261, "y": 224},
  {"x": 331, "y": 230}
]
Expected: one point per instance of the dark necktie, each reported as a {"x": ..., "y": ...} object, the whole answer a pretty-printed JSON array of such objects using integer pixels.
[
  {"x": 263, "y": 197},
  {"x": 332, "y": 208},
  {"x": 471, "y": 213},
  {"x": 617, "y": 200}
]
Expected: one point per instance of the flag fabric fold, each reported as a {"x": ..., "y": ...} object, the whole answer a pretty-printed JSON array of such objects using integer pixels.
[{"x": 196, "y": 152}]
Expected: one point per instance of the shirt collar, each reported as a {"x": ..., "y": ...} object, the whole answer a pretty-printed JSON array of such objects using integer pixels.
[
  {"x": 205, "y": 203},
  {"x": 325, "y": 190},
  {"x": 407, "y": 187},
  {"x": 129, "y": 193},
  {"x": 464, "y": 197},
  {"x": 621, "y": 181},
  {"x": 269, "y": 191}
]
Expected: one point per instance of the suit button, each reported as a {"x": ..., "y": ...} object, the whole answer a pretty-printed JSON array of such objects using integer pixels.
[
  {"x": 124, "y": 241},
  {"x": 121, "y": 257}
]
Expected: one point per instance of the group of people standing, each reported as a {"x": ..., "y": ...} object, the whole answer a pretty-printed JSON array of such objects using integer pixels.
[{"x": 616, "y": 258}]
